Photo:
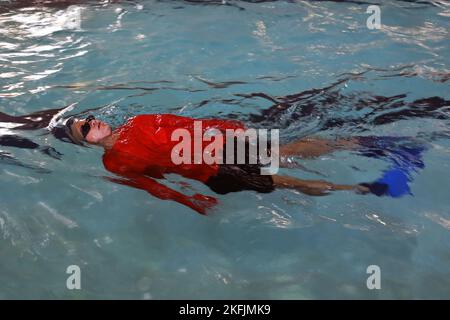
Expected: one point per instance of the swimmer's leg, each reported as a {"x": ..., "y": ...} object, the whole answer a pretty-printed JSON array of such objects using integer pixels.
[
  {"x": 371, "y": 146},
  {"x": 314, "y": 187},
  {"x": 311, "y": 147},
  {"x": 404, "y": 154}
]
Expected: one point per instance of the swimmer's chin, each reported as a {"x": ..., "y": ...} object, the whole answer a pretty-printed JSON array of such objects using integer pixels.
[{"x": 108, "y": 141}]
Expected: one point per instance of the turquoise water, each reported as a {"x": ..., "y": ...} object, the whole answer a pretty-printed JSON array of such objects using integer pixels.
[{"x": 332, "y": 75}]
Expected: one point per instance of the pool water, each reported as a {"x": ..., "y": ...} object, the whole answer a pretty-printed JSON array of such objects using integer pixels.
[{"x": 330, "y": 75}]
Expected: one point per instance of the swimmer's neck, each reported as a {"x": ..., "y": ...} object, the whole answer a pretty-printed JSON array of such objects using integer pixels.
[{"x": 108, "y": 142}]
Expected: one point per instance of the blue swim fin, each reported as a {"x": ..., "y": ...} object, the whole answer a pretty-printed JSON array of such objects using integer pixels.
[{"x": 405, "y": 161}]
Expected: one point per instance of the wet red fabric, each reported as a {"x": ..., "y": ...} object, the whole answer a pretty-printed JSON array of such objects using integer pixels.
[{"x": 143, "y": 151}]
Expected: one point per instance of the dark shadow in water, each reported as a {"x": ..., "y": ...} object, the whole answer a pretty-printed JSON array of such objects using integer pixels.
[
  {"x": 337, "y": 110},
  {"x": 33, "y": 121},
  {"x": 383, "y": 109},
  {"x": 219, "y": 85},
  {"x": 7, "y": 158},
  {"x": 17, "y": 141}
]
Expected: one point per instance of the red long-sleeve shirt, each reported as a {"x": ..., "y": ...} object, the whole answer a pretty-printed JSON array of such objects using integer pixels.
[{"x": 143, "y": 152}]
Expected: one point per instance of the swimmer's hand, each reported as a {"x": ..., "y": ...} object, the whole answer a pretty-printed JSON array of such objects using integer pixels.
[{"x": 201, "y": 203}]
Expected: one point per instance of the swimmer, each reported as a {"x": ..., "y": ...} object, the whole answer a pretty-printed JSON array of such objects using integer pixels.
[{"x": 139, "y": 154}]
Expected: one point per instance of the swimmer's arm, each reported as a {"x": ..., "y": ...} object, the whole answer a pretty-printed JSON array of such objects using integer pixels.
[{"x": 197, "y": 202}]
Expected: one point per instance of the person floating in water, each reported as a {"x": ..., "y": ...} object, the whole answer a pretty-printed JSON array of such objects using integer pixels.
[{"x": 139, "y": 153}]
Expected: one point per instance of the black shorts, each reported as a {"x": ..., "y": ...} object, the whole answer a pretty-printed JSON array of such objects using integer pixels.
[{"x": 240, "y": 177}]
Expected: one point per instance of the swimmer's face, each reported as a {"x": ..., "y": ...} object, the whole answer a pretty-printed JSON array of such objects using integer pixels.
[{"x": 90, "y": 130}]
